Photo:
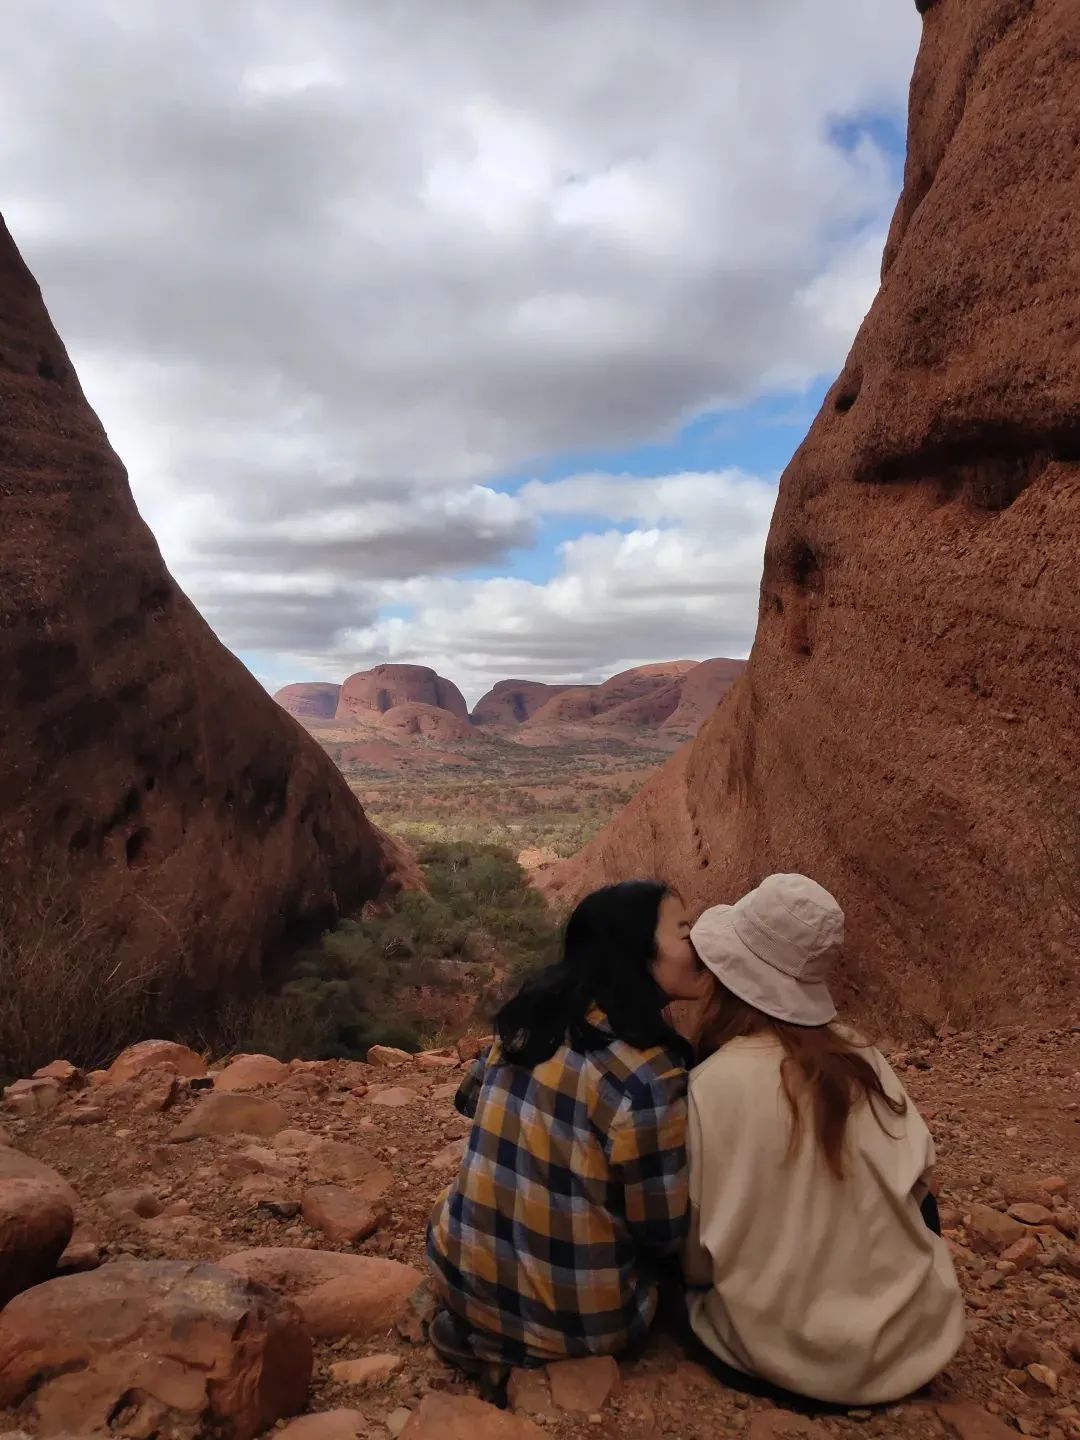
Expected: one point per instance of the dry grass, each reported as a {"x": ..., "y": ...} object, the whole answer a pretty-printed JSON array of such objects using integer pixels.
[{"x": 64, "y": 993}]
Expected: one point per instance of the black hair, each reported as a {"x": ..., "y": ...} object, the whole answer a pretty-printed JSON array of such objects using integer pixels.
[{"x": 608, "y": 950}]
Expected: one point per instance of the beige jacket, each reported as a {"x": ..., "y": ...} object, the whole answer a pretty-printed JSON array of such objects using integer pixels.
[{"x": 834, "y": 1289}]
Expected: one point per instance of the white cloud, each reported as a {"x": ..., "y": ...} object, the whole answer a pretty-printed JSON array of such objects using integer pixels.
[{"x": 315, "y": 262}]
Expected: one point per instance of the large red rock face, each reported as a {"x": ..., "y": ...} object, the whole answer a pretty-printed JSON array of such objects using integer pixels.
[
  {"x": 374, "y": 692},
  {"x": 141, "y": 762},
  {"x": 700, "y": 692},
  {"x": 310, "y": 701},
  {"x": 908, "y": 729},
  {"x": 512, "y": 702}
]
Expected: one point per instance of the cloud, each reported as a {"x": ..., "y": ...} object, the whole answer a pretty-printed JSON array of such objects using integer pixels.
[
  {"x": 331, "y": 271},
  {"x": 619, "y": 598}
]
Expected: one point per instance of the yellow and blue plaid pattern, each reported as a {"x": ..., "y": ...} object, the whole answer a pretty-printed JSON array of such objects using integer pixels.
[{"x": 574, "y": 1180}]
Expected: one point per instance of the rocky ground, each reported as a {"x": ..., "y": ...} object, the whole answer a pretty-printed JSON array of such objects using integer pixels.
[{"x": 317, "y": 1180}]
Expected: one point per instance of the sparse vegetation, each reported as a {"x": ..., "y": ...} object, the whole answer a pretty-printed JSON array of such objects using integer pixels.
[
  {"x": 62, "y": 990},
  {"x": 406, "y": 976}
]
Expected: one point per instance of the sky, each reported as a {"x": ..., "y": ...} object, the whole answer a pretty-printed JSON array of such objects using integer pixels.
[{"x": 466, "y": 333}]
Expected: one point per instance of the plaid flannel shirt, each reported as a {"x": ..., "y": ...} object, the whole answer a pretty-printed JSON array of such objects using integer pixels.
[{"x": 574, "y": 1180}]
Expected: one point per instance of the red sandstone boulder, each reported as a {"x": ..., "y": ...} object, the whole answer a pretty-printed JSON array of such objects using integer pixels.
[
  {"x": 14, "y": 1165},
  {"x": 232, "y": 1115},
  {"x": 343, "y": 1216},
  {"x": 136, "y": 1060},
  {"x": 354, "y": 1296},
  {"x": 142, "y": 762},
  {"x": 374, "y": 692},
  {"x": 153, "y": 1346},
  {"x": 36, "y": 1224},
  {"x": 907, "y": 727},
  {"x": 251, "y": 1072},
  {"x": 314, "y": 701}
]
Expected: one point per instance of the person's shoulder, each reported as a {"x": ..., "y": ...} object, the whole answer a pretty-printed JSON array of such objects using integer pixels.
[
  {"x": 745, "y": 1056},
  {"x": 645, "y": 1077}
]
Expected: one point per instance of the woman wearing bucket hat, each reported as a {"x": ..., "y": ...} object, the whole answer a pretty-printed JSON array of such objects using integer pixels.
[{"x": 812, "y": 1264}]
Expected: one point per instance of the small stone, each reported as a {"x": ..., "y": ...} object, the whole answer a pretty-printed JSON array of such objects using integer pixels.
[
  {"x": 462, "y": 1417},
  {"x": 397, "y": 1420},
  {"x": 450, "y": 1157},
  {"x": 151, "y": 1053},
  {"x": 133, "y": 1202},
  {"x": 991, "y": 1232},
  {"x": 1022, "y": 1255},
  {"x": 36, "y": 1224},
  {"x": 969, "y": 1422},
  {"x": 393, "y": 1097},
  {"x": 342, "y": 1217},
  {"x": 528, "y": 1392},
  {"x": 251, "y": 1072},
  {"x": 1030, "y": 1214},
  {"x": 582, "y": 1386},
  {"x": 1044, "y": 1381},
  {"x": 87, "y": 1115},
  {"x": 388, "y": 1056},
  {"x": 30, "y": 1098},
  {"x": 326, "y": 1425},
  {"x": 369, "y": 1370},
  {"x": 64, "y": 1073}
]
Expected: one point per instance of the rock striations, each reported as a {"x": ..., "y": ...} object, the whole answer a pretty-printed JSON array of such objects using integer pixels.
[
  {"x": 141, "y": 761},
  {"x": 908, "y": 728}
]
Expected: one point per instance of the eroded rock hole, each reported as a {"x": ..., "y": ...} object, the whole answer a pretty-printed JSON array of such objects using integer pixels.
[
  {"x": 45, "y": 367},
  {"x": 135, "y": 847},
  {"x": 80, "y": 838}
]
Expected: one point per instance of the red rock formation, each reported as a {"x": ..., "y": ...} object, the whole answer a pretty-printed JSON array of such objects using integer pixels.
[
  {"x": 908, "y": 728},
  {"x": 427, "y": 721},
  {"x": 569, "y": 707},
  {"x": 141, "y": 762},
  {"x": 379, "y": 690},
  {"x": 700, "y": 692},
  {"x": 511, "y": 702},
  {"x": 312, "y": 701}
]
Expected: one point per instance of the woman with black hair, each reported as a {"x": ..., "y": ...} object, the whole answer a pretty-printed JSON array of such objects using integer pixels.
[{"x": 574, "y": 1183}]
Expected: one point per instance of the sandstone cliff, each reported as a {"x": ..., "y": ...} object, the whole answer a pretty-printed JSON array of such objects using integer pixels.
[
  {"x": 511, "y": 702},
  {"x": 908, "y": 728},
  {"x": 141, "y": 764},
  {"x": 310, "y": 701},
  {"x": 374, "y": 692}
]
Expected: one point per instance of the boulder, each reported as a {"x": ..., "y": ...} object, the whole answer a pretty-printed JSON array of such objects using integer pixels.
[
  {"x": 904, "y": 731},
  {"x": 133, "y": 1203},
  {"x": 344, "y": 1217},
  {"x": 148, "y": 1346},
  {"x": 339, "y": 1296},
  {"x": 251, "y": 1072},
  {"x": 36, "y": 1223},
  {"x": 133, "y": 1062},
  {"x": 231, "y": 1115},
  {"x": 460, "y": 1417},
  {"x": 14, "y": 1165}
]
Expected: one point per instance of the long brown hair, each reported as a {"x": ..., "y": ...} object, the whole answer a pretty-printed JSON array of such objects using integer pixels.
[{"x": 820, "y": 1062}]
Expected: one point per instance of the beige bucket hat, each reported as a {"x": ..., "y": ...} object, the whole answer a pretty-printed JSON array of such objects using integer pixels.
[{"x": 774, "y": 948}]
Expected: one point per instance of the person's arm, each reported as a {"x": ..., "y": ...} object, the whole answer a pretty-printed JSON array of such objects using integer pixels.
[
  {"x": 469, "y": 1089},
  {"x": 696, "y": 1260},
  {"x": 647, "y": 1152}
]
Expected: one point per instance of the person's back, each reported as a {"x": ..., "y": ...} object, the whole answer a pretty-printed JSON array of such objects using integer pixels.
[
  {"x": 574, "y": 1181},
  {"x": 813, "y": 1261},
  {"x": 833, "y": 1288},
  {"x": 527, "y": 1243}
]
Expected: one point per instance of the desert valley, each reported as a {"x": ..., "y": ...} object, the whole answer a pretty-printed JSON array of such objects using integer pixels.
[{"x": 250, "y": 942}]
